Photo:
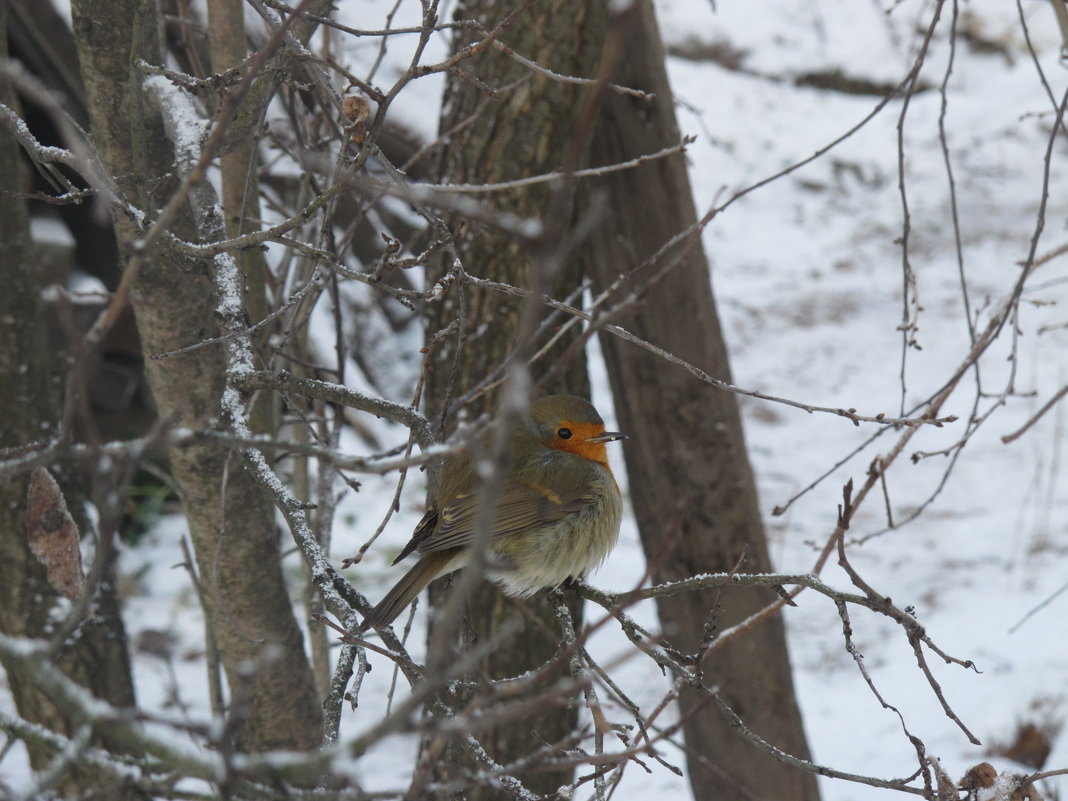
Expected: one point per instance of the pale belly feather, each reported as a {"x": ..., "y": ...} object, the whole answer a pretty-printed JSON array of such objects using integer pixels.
[{"x": 571, "y": 547}]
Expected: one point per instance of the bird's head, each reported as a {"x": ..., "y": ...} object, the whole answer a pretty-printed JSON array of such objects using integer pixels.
[{"x": 570, "y": 423}]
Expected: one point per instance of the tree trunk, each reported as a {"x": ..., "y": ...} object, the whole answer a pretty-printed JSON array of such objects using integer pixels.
[
  {"x": 691, "y": 483},
  {"x": 95, "y": 654},
  {"x": 230, "y": 520},
  {"x": 527, "y": 132}
]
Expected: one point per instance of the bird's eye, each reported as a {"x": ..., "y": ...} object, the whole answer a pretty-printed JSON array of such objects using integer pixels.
[{"x": 563, "y": 433}]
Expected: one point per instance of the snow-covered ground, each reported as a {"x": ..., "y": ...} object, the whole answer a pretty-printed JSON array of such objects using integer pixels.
[{"x": 808, "y": 275}]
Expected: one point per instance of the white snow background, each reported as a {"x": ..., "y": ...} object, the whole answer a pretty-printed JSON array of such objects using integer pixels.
[{"x": 807, "y": 274}]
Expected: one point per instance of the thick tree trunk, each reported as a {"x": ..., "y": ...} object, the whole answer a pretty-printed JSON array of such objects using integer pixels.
[
  {"x": 691, "y": 483},
  {"x": 230, "y": 520},
  {"x": 526, "y": 132},
  {"x": 95, "y": 655}
]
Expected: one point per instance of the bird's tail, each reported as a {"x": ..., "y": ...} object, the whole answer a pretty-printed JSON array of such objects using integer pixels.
[{"x": 428, "y": 568}]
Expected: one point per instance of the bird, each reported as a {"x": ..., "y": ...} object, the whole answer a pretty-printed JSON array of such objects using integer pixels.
[{"x": 556, "y": 516}]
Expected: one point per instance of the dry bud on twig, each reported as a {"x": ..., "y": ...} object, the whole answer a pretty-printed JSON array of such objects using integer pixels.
[{"x": 356, "y": 108}]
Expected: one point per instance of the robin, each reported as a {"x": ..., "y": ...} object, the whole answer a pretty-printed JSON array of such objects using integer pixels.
[{"x": 557, "y": 514}]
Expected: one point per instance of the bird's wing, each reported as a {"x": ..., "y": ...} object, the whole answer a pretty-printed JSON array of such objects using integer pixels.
[
  {"x": 424, "y": 530},
  {"x": 520, "y": 508}
]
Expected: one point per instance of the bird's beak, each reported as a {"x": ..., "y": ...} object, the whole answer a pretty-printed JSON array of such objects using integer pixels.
[{"x": 607, "y": 436}]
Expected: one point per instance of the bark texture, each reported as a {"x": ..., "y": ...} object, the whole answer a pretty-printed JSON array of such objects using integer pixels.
[
  {"x": 527, "y": 130},
  {"x": 231, "y": 521},
  {"x": 95, "y": 654},
  {"x": 691, "y": 484}
]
